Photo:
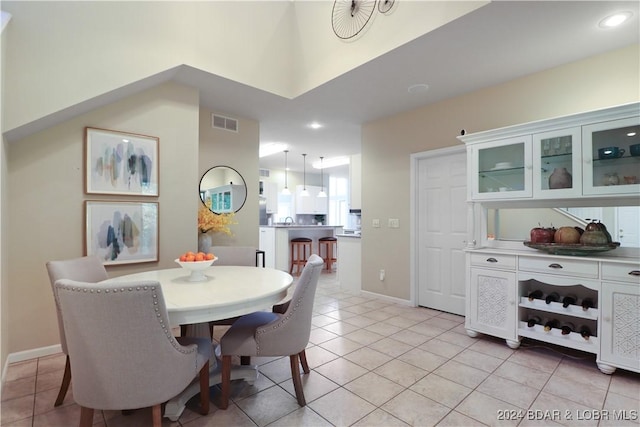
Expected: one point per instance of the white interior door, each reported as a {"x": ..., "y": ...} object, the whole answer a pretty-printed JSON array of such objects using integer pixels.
[
  {"x": 441, "y": 222},
  {"x": 628, "y": 226}
]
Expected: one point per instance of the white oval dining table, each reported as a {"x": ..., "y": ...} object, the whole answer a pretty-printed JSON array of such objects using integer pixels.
[{"x": 226, "y": 292}]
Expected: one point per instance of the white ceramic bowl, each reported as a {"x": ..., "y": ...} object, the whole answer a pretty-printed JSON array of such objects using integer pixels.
[{"x": 196, "y": 268}]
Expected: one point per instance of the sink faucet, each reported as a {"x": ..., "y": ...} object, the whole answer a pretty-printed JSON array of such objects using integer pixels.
[{"x": 286, "y": 220}]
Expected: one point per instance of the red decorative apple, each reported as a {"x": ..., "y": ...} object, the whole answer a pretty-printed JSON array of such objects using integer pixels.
[
  {"x": 542, "y": 235},
  {"x": 567, "y": 236}
]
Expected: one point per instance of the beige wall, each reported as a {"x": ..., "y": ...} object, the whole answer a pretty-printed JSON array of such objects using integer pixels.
[
  {"x": 590, "y": 84},
  {"x": 45, "y": 189},
  {"x": 4, "y": 224},
  {"x": 281, "y": 47},
  {"x": 240, "y": 151}
]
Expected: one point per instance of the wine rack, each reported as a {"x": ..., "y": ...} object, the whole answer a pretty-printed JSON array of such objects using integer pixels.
[{"x": 573, "y": 313}]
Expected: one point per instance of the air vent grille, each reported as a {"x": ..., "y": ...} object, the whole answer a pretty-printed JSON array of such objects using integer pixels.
[
  {"x": 226, "y": 123},
  {"x": 264, "y": 173}
]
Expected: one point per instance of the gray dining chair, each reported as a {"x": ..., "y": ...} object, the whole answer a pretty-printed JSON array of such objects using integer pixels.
[
  {"x": 266, "y": 333},
  {"x": 84, "y": 269},
  {"x": 124, "y": 353}
]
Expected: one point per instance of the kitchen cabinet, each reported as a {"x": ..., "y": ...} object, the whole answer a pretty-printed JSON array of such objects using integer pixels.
[
  {"x": 311, "y": 204},
  {"x": 270, "y": 192},
  {"x": 227, "y": 198},
  {"x": 500, "y": 283},
  {"x": 570, "y": 157},
  {"x": 355, "y": 182},
  {"x": 267, "y": 243}
]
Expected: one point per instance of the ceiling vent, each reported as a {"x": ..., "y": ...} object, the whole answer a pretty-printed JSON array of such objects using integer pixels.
[
  {"x": 226, "y": 123},
  {"x": 264, "y": 173}
]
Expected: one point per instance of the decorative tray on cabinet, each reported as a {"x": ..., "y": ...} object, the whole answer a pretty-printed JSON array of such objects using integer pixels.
[{"x": 571, "y": 249}]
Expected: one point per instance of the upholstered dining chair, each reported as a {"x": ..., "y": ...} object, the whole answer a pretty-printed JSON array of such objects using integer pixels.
[
  {"x": 124, "y": 353},
  {"x": 84, "y": 269},
  {"x": 266, "y": 333}
]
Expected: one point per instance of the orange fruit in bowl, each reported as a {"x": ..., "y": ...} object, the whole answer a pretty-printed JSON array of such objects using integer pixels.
[
  {"x": 183, "y": 257},
  {"x": 209, "y": 256},
  {"x": 199, "y": 256},
  {"x": 190, "y": 258}
]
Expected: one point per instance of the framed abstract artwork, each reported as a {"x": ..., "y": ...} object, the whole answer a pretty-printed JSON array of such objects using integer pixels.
[
  {"x": 120, "y": 163},
  {"x": 121, "y": 232}
]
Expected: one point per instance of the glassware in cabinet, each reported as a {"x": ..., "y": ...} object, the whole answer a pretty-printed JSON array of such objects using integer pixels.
[
  {"x": 557, "y": 168},
  {"x": 612, "y": 157},
  {"x": 502, "y": 169}
]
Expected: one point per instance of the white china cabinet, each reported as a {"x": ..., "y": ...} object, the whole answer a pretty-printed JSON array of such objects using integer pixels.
[
  {"x": 591, "y": 151},
  {"x": 514, "y": 291}
]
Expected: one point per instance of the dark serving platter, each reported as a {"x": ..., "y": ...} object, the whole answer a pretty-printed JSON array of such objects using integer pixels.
[{"x": 574, "y": 249}]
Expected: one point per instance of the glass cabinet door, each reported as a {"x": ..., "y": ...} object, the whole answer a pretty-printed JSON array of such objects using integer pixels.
[
  {"x": 612, "y": 157},
  {"x": 502, "y": 169},
  {"x": 557, "y": 170}
]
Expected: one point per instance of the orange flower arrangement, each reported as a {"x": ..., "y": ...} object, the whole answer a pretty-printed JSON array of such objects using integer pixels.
[{"x": 218, "y": 223}]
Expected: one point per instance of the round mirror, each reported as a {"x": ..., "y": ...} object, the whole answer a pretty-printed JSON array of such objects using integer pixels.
[{"x": 223, "y": 190}]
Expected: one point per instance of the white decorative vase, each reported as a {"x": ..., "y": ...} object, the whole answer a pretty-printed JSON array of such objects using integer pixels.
[{"x": 204, "y": 243}]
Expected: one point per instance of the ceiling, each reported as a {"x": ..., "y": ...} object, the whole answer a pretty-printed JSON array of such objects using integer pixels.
[{"x": 496, "y": 43}]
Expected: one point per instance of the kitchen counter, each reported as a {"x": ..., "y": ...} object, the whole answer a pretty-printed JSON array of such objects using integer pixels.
[{"x": 349, "y": 262}]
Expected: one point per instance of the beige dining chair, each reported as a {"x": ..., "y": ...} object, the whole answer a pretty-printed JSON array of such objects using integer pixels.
[
  {"x": 266, "y": 333},
  {"x": 84, "y": 269},
  {"x": 124, "y": 354}
]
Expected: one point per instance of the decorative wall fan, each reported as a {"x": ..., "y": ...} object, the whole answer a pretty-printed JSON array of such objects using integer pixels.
[
  {"x": 349, "y": 17},
  {"x": 385, "y": 6}
]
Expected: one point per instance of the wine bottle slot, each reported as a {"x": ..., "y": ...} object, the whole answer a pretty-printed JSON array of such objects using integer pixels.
[
  {"x": 537, "y": 294},
  {"x": 569, "y": 300},
  {"x": 552, "y": 297},
  {"x": 551, "y": 324},
  {"x": 585, "y": 332},
  {"x": 534, "y": 320},
  {"x": 587, "y": 303},
  {"x": 567, "y": 328}
]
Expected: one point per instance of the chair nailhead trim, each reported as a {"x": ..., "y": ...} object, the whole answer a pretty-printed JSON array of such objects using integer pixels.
[{"x": 154, "y": 295}]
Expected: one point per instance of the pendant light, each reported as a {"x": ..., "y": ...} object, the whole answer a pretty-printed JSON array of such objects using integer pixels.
[
  {"x": 304, "y": 193},
  {"x": 322, "y": 193},
  {"x": 285, "y": 190}
]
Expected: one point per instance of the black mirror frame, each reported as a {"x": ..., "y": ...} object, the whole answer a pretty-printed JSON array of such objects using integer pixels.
[{"x": 227, "y": 167}]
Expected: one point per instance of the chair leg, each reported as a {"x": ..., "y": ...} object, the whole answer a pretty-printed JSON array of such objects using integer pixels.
[
  {"x": 204, "y": 389},
  {"x": 297, "y": 382},
  {"x": 303, "y": 361},
  {"x": 156, "y": 415},
  {"x": 226, "y": 381},
  {"x": 86, "y": 417},
  {"x": 66, "y": 380}
]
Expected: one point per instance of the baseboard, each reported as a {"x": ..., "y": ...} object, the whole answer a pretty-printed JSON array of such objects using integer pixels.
[
  {"x": 387, "y": 298},
  {"x": 21, "y": 356}
]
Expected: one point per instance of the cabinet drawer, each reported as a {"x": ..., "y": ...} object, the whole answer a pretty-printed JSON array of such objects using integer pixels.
[
  {"x": 621, "y": 272},
  {"x": 561, "y": 267},
  {"x": 504, "y": 262}
]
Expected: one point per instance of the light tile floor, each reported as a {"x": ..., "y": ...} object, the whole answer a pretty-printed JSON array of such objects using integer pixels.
[{"x": 376, "y": 363}]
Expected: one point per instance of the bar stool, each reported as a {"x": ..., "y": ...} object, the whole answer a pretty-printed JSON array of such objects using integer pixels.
[
  {"x": 299, "y": 254},
  {"x": 330, "y": 249}
]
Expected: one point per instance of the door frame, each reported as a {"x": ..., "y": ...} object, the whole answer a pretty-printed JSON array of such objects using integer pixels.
[{"x": 415, "y": 158}]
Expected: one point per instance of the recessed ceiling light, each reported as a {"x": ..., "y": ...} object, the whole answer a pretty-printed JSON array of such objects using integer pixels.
[
  {"x": 615, "y": 20},
  {"x": 418, "y": 88},
  {"x": 315, "y": 125},
  {"x": 631, "y": 134}
]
